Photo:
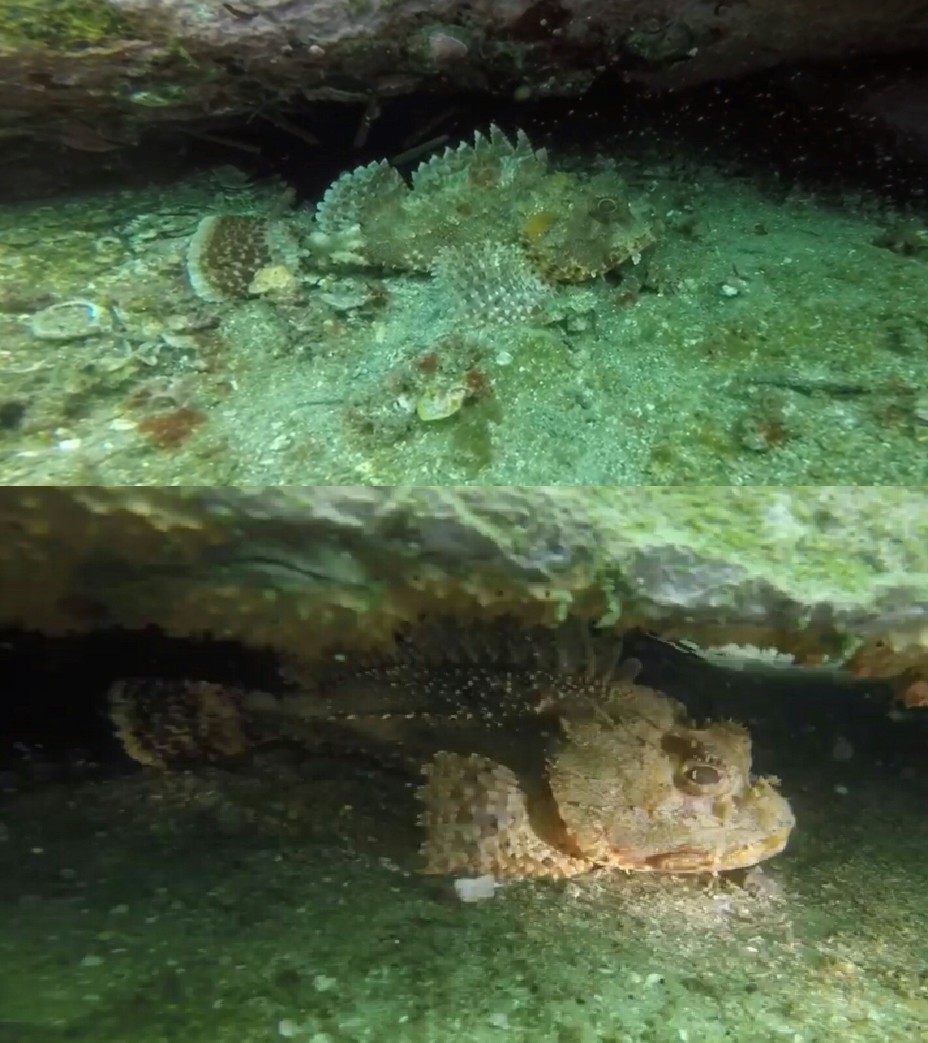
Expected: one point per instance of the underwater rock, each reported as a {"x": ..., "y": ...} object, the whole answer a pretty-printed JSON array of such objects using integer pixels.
[
  {"x": 91, "y": 73},
  {"x": 814, "y": 572}
]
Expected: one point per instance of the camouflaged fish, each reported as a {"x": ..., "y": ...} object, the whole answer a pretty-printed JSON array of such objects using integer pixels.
[
  {"x": 541, "y": 755},
  {"x": 494, "y": 204},
  {"x": 571, "y": 227}
]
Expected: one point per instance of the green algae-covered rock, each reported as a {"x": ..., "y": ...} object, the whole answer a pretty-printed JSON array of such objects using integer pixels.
[
  {"x": 64, "y": 24},
  {"x": 113, "y": 66},
  {"x": 812, "y": 571}
]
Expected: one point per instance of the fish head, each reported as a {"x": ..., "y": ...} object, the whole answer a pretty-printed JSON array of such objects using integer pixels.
[{"x": 641, "y": 788}]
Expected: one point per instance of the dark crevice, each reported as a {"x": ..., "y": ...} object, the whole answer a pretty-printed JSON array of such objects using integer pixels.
[
  {"x": 54, "y": 724},
  {"x": 806, "y": 126}
]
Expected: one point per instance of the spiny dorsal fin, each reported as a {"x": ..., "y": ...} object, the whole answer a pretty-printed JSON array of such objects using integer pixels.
[
  {"x": 487, "y": 149},
  {"x": 356, "y": 193}
]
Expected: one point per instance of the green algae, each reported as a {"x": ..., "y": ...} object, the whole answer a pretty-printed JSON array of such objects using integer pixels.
[
  {"x": 770, "y": 534},
  {"x": 63, "y": 24}
]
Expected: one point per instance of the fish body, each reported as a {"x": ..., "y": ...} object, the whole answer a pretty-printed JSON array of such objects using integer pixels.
[{"x": 539, "y": 752}]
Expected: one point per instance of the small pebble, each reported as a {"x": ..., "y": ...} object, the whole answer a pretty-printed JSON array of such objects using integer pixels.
[
  {"x": 440, "y": 403},
  {"x": 475, "y": 889},
  {"x": 443, "y": 47}
]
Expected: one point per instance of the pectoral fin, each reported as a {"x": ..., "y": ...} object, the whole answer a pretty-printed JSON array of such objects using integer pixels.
[{"x": 476, "y": 819}]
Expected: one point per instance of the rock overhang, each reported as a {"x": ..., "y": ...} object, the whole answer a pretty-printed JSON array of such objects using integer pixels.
[
  {"x": 820, "y": 573},
  {"x": 92, "y": 74}
]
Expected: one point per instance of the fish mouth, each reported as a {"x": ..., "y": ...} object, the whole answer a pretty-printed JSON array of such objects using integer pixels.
[{"x": 698, "y": 860}]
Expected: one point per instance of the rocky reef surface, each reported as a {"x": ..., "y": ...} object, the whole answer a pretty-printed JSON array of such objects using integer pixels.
[
  {"x": 92, "y": 74},
  {"x": 815, "y": 573}
]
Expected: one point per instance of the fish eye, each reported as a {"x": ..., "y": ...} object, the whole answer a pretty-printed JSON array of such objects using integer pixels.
[
  {"x": 703, "y": 778},
  {"x": 703, "y": 775}
]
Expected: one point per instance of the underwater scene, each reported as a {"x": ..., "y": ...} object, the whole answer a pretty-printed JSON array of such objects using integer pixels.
[
  {"x": 352, "y": 764},
  {"x": 482, "y": 833},
  {"x": 588, "y": 292}
]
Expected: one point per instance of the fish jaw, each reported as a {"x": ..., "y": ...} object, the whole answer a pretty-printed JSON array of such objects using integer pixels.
[
  {"x": 692, "y": 860},
  {"x": 765, "y": 822}
]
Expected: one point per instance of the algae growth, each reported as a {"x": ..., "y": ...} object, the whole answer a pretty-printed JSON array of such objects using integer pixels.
[{"x": 64, "y": 24}]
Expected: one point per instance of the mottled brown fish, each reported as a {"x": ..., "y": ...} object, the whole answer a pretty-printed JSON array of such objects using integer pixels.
[{"x": 541, "y": 755}]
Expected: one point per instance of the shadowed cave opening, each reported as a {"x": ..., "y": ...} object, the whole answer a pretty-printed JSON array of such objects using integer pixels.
[
  {"x": 794, "y": 126},
  {"x": 53, "y": 714},
  {"x": 54, "y": 723}
]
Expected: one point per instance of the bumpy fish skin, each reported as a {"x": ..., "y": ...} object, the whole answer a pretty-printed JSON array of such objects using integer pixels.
[
  {"x": 570, "y": 227},
  {"x": 541, "y": 756},
  {"x": 494, "y": 225},
  {"x": 641, "y": 788}
]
